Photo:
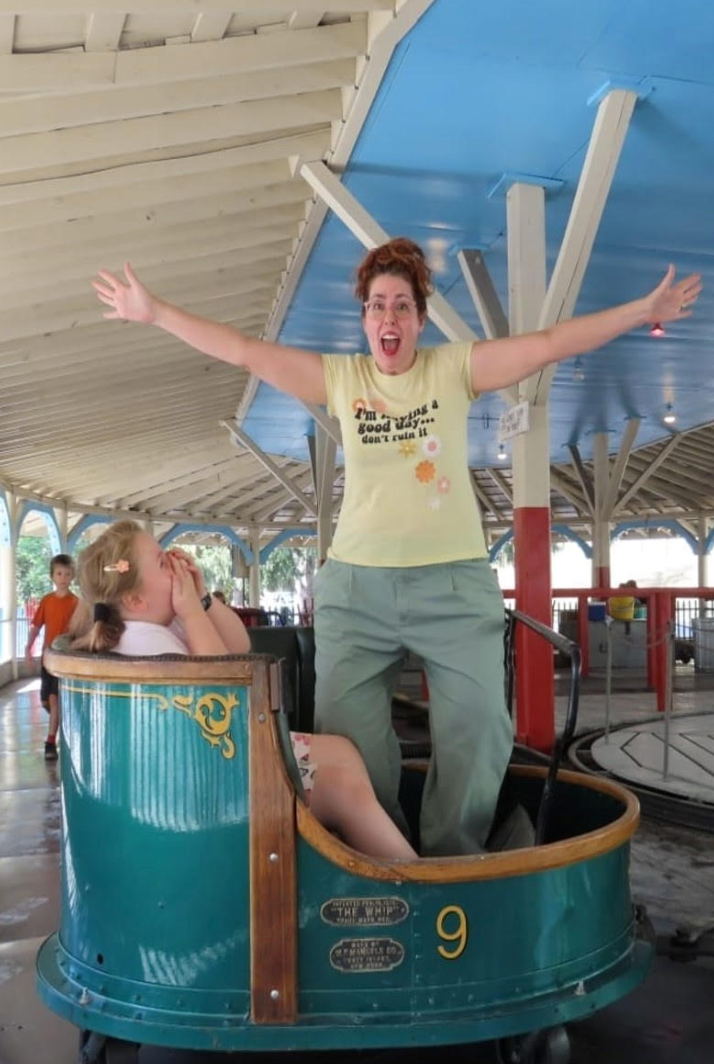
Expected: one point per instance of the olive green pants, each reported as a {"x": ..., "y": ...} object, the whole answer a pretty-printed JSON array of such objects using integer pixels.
[{"x": 452, "y": 616}]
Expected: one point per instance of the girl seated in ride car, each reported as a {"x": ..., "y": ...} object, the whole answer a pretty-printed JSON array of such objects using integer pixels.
[{"x": 141, "y": 600}]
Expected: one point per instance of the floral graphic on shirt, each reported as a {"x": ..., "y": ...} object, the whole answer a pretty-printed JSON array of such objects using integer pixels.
[
  {"x": 411, "y": 431},
  {"x": 431, "y": 446},
  {"x": 425, "y": 472}
]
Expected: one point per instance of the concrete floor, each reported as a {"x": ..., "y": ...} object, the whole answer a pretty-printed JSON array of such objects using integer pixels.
[{"x": 669, "y": 1019}]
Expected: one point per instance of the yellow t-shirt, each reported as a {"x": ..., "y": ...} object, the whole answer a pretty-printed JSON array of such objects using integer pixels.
[{"x": 408, "y": 497}]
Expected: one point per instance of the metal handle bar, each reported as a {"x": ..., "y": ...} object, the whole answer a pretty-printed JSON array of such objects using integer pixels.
[{"x": 572, "y": 651}]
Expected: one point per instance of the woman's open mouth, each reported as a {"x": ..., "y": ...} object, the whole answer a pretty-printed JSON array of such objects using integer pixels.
[{"x": 390, "y": 344}]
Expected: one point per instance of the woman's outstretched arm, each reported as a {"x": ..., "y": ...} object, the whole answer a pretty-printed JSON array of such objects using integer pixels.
[
  {"x": 498, "y": 363},
  {"x": 290, "y": 369}
]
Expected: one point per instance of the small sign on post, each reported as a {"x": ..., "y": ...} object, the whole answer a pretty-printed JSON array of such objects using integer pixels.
[{"x": 514, "y": 422}]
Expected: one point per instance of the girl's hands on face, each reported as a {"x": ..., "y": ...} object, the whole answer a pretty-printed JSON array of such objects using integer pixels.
[
  {"x": 184, "y": 595},
  {"x": 193, "y": 568}
]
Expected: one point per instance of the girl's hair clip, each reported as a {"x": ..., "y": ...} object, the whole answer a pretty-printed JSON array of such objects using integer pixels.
[{"x": 122, "y": 566}]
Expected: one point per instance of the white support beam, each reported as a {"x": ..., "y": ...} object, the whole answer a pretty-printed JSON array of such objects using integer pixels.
[
  {"x": 525, "y": 210},
  {"x": 254, "y": 571},
  {"x": 73, "y": 146},
  {"x": 305, "y": 20},
  {"x": 500, "y": 482},
  {"x": 601, "y": 520},
  {"x": 169, "y": 7},
  {"x": 312, "y": 451},
  {"x": 195, "y": 488},
  {"x": 525, "y": 206},
  {"x": 211, "y": 25},
  {"x": 267, "y": 511},
  {"x": 482, "y": 290},
  {"x": 33, "y": 114},
  {"x": 329, "y": 424},
  {"x": 61, "y": 518},
  {"x": 488, "y": 306},
  {"x": 620, "y": 465},
  {"x": 245, "y": 441},
  {"x": 104, "y": 30},
  {"x": 601, "y": 471},
  {"x": 116, "y": 179},
  {"x": 608, "y": 136},
  {"x": 647, "y": 473},
  {"x": 669, "y": 495},
  {"x": 326, "y": 449},
  {"x": 77, "y": 70},
  {"x": 484, "y": 499},
  {"x": 564, "y": 488},
  {"x": 702, "y": 564},
  {"x": 7, "y": 34}
]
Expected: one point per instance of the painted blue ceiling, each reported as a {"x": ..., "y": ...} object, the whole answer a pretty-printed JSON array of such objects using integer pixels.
[{"x": 480, "y": 90}]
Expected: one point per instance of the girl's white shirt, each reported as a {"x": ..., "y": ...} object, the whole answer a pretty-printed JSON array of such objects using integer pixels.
[{"x": 147, "y": 639}]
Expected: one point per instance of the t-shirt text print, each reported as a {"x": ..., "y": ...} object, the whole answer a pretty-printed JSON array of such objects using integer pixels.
[
  {"x": 408, "y": 496},
  {"x": 378, "y": 427}
]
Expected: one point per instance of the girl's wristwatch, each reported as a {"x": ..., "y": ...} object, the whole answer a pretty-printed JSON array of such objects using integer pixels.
[{"x": 207, "y": 600}]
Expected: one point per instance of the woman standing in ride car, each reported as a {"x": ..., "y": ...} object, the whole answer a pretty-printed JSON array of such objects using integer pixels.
[{"x": 408, "y": 567}]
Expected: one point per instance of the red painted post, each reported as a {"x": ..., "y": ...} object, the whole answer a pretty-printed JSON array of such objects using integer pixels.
[
  {"x": 534, "y": 660},
  {"x": 651, "y": 640},
  {"x": 602, "y": 576}
]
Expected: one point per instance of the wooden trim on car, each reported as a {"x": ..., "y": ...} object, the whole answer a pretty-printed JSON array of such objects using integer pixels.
[
  {"x": 165, "y": 669},
  {"x": 273, "y": 867},
  {"x": 487, "y": 865}
]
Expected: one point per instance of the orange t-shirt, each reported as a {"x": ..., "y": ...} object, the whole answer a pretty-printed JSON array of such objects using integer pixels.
[{"x": 55, "y": 614}]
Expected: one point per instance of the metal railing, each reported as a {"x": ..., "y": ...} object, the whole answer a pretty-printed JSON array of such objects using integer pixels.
[
  {"x": 5, "y": 629},
  {"x": 571, "y": 650},
  {"x": 22, "y": 631}
]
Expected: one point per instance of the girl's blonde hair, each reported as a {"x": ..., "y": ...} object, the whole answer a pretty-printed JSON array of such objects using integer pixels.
[{"x": 106, "y": 571}]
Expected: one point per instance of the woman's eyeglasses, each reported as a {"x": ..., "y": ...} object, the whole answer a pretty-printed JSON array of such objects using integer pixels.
[{"x": 377, "y": 308}]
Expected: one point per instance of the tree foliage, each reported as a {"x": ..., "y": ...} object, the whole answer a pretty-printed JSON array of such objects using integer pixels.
[
  {"x": 281, "y": 570},
  {"x": 288, "y": 569},
  {"x": 216, "y": 565},
  {"x": 33, "y": 568}
]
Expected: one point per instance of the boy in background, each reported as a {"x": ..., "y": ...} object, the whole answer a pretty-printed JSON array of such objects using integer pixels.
[{"x": 54, "y": 612}]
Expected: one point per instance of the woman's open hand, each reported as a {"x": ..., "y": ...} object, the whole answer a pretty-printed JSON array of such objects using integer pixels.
[
  {"x": 129, "y": 301},
  {"x": 670, "y": 301}
]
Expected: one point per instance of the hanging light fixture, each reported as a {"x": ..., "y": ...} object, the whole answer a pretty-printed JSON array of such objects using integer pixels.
[
  {"x": 502, "y": 453},
  {"x": 578, "y": 371},
  {"x": 657, "y": 330},
  {"x": 669, "y": 415}
]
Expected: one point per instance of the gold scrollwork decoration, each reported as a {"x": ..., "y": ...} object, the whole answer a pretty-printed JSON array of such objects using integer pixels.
[
  {"x": 213, "y": 712},
  {"x": 214, "y": 728}
]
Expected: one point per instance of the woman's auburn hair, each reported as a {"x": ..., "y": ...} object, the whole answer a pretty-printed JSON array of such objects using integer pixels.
[{"x": 400, "y": 257}]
